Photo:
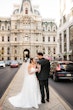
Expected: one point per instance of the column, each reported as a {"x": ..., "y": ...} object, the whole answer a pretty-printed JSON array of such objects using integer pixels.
[
  {"x": 46, "y": 50},
  {"x": 62, "y": 42},
  {"x": 68, "y": 43}
]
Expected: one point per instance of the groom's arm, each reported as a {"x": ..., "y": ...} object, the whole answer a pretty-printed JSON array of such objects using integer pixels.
[{"x": 38, "y": 67}]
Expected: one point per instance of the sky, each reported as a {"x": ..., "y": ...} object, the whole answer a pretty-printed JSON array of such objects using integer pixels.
[{"x": 47, "y": 8}]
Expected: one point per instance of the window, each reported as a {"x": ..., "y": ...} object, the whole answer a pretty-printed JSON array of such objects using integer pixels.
[
  {"x": 2, "y": 50},
  {"x": 2, "y": 58},
  {"x": 8, "y": 58},
  {"x": 8, "y": 27},
  {"x": 48, "y": 39},
  {"x": 15, "y": 51},
  {"x": 48, "y": 28},
  {"x": 26, "y": 11},
  {"x": 15, "y": 58},
  {"x": 2, "y": 38},
  {"x": 26, "y": 38},
  {"x": 15, "y": 26},
  {"x": 60, "y": 42},
  {"x": 54, "y": 50},
  {"x": 43, "y": 39},
  {"x": 5, "y": 26},
  {"x": 15, "y": 39},
  {"x": 54, "y": 39},
  {"x": 65, "y": 41},
  {"x": 48, "y": 50},
  {"x": 36, "y": 38},
  {"x": 54, "y": 28},
  {"x": 8, "y": 50},
  {"x": 36, "y": 51},
  {"x": 2, "y": 27},
  {"x": 64, "y": 19},
  {"x": 54, "y": 58},
  {"x": 44, "y": 28},
  {"x": 8, "y": 38}
]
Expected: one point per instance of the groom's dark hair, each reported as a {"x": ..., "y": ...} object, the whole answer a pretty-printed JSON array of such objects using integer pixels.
[{"x": 40, "y": 53}]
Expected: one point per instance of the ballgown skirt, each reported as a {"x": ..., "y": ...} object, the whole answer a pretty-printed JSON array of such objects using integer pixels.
[{"x": 30, "y": 94}]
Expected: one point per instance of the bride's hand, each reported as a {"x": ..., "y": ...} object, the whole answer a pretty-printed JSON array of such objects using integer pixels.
[{"x": 36, "y": 70}]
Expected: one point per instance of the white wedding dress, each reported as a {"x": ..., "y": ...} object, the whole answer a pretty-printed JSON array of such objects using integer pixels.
[{"x": 30, "y": 94}]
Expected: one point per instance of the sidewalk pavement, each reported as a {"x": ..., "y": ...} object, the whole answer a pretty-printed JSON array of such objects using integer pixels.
[{"x": 56, "y": 102}]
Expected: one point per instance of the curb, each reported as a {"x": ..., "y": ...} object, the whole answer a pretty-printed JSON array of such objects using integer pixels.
[
  {"x": 7, "y": 90},
  {"x": 67, "y": 107}
]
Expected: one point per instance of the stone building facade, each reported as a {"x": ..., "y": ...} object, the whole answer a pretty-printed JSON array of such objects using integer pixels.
[
  {"x": 26, "y": 33},
  {"x": 65, "y": 30}
]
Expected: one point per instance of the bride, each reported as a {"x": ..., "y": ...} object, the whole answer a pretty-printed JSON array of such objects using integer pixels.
[{"x": 30, "y": 94}]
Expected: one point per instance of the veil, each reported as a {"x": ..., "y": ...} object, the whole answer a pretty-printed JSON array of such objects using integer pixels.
[{"x": 26, "y": 67}]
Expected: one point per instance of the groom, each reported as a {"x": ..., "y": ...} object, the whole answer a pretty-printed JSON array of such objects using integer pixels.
[{"x": 43, "y": 76}]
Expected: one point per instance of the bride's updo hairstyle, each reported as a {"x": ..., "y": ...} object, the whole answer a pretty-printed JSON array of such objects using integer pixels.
[{"x": 31, "y": 59}]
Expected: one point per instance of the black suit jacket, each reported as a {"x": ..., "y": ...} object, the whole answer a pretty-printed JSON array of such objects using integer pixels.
[{"x": 45, "y": 69}]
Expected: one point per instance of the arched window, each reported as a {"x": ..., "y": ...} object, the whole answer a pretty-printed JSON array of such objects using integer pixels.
[
  {"x": 26, "y": 11},
  {"x": 8, "y": 27},
  {"x": 54, "y": 28},
  {"x": 49, "y": 28},
  {"x": 44, "y": 28}
]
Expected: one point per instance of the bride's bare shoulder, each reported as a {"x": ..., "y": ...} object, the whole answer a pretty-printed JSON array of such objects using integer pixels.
[{"x": 29, "y": 66}]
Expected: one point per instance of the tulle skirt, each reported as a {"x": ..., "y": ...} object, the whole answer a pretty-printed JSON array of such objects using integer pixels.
[{"x": 30, "y": 94}]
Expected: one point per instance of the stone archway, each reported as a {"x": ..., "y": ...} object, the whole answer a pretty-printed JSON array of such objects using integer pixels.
[{"x": 26, "y": 54}]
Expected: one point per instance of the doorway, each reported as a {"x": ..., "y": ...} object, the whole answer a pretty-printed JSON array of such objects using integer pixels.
[{"x": 26, "y": 54}]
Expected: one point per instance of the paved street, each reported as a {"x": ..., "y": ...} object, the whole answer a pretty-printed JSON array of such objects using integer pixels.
[
  {"x": 65, "y": 89},
  {"x": 6, "y": 75},
  {"x": 56, "y": 102}
]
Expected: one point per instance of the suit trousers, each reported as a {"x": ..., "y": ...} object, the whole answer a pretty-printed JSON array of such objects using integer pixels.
[{"x": 44, "y": 86}]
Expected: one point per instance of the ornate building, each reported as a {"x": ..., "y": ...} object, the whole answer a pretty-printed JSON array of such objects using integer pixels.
[
  {"x": 26, "y": 33},
  {"x": 65, "y": 31}
]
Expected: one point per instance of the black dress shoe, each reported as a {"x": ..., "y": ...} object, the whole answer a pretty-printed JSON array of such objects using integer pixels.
[
  {"x": 43, "y": 101},
  {"x": 47, "y": 100}
]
